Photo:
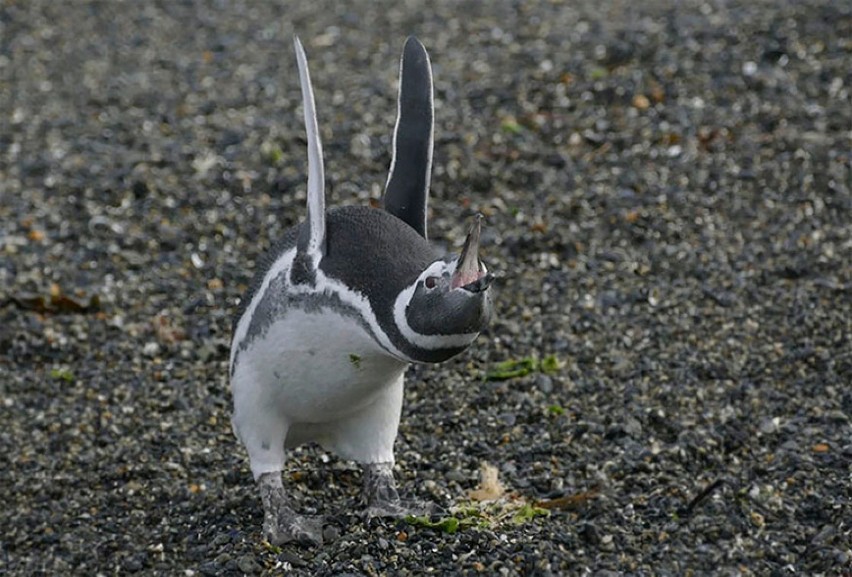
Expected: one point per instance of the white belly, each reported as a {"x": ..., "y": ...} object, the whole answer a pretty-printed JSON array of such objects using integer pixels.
[{"x": 314, "y": 368}]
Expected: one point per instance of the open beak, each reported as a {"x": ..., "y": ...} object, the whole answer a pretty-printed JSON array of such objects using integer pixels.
[{"x": 470, "y": 273}]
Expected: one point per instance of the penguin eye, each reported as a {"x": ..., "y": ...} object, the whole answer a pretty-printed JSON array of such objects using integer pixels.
[{"x": 431, "y": 282}]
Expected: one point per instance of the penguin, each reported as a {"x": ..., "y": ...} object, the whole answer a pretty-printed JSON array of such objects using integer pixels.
[{"x": 340, "y": 307}]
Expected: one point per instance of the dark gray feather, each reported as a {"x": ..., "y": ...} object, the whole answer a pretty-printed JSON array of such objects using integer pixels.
[{"x": 407, "y": 191}]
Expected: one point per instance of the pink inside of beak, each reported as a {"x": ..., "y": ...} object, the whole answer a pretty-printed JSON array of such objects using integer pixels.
[
  {"x": 464, "y": 277},
  {"x": 468, "y": 268}
]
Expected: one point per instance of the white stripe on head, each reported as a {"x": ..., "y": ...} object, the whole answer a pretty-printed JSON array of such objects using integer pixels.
[
  {"x": 429, "y": 342},
  {"x": 316, "y": 175}
]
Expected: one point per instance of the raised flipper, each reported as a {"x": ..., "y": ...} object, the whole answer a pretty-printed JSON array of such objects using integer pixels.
[
  {"x": 407, "y": 190},
  {"x": 311, "y": 242}
]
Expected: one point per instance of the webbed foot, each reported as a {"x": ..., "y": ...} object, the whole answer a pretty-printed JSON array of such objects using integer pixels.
[
  {"x": 382, "y": 498},
  {"x": 281, "y": 524},
  {"x": 294, "y": 528}
]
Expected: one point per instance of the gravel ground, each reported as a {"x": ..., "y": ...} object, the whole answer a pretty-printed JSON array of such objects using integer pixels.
[{"x": 667, "y": 191}]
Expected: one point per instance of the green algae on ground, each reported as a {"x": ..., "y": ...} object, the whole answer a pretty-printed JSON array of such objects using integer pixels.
[
  {"x": 482, "y": 515},
  {"x": 62, "y": 374},
  {"x": 514, "y": 368}
]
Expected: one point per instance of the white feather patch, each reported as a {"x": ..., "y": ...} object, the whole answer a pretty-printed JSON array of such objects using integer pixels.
[{"x": 316, "y": 174}]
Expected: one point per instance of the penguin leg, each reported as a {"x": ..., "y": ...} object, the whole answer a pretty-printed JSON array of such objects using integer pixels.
[
  {"x": 262, "y": 429},
  {"x": 382, "y": 499},
  {"x": 368, "y": 437},
  {"x": 379, "y": 493},
  {"x": 281, "y": 524}
]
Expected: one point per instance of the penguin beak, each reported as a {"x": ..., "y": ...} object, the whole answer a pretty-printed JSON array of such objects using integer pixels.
[{"x": 470, "y": 273}]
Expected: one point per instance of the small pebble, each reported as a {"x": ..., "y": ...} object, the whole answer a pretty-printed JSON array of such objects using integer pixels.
[
  {"x": 151, "y": 349},
  {"x": 544, "y": 383},
  {"x": 248, "y": 565},
  {"x": 330, "y": 533}
]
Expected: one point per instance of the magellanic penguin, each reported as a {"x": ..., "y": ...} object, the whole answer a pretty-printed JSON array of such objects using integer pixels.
[{"x": 340, "y": 307}]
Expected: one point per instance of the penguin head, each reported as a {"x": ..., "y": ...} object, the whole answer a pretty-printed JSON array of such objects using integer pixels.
[{"x": 449, "y": 303}]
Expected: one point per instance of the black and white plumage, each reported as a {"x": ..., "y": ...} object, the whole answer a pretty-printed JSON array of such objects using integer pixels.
[{"x": 339, "y": 308}]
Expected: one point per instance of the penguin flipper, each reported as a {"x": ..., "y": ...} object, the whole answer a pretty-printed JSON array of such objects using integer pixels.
[
  {"x": 407, "y": 189},
  {"x": 311, "y": 242}
]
